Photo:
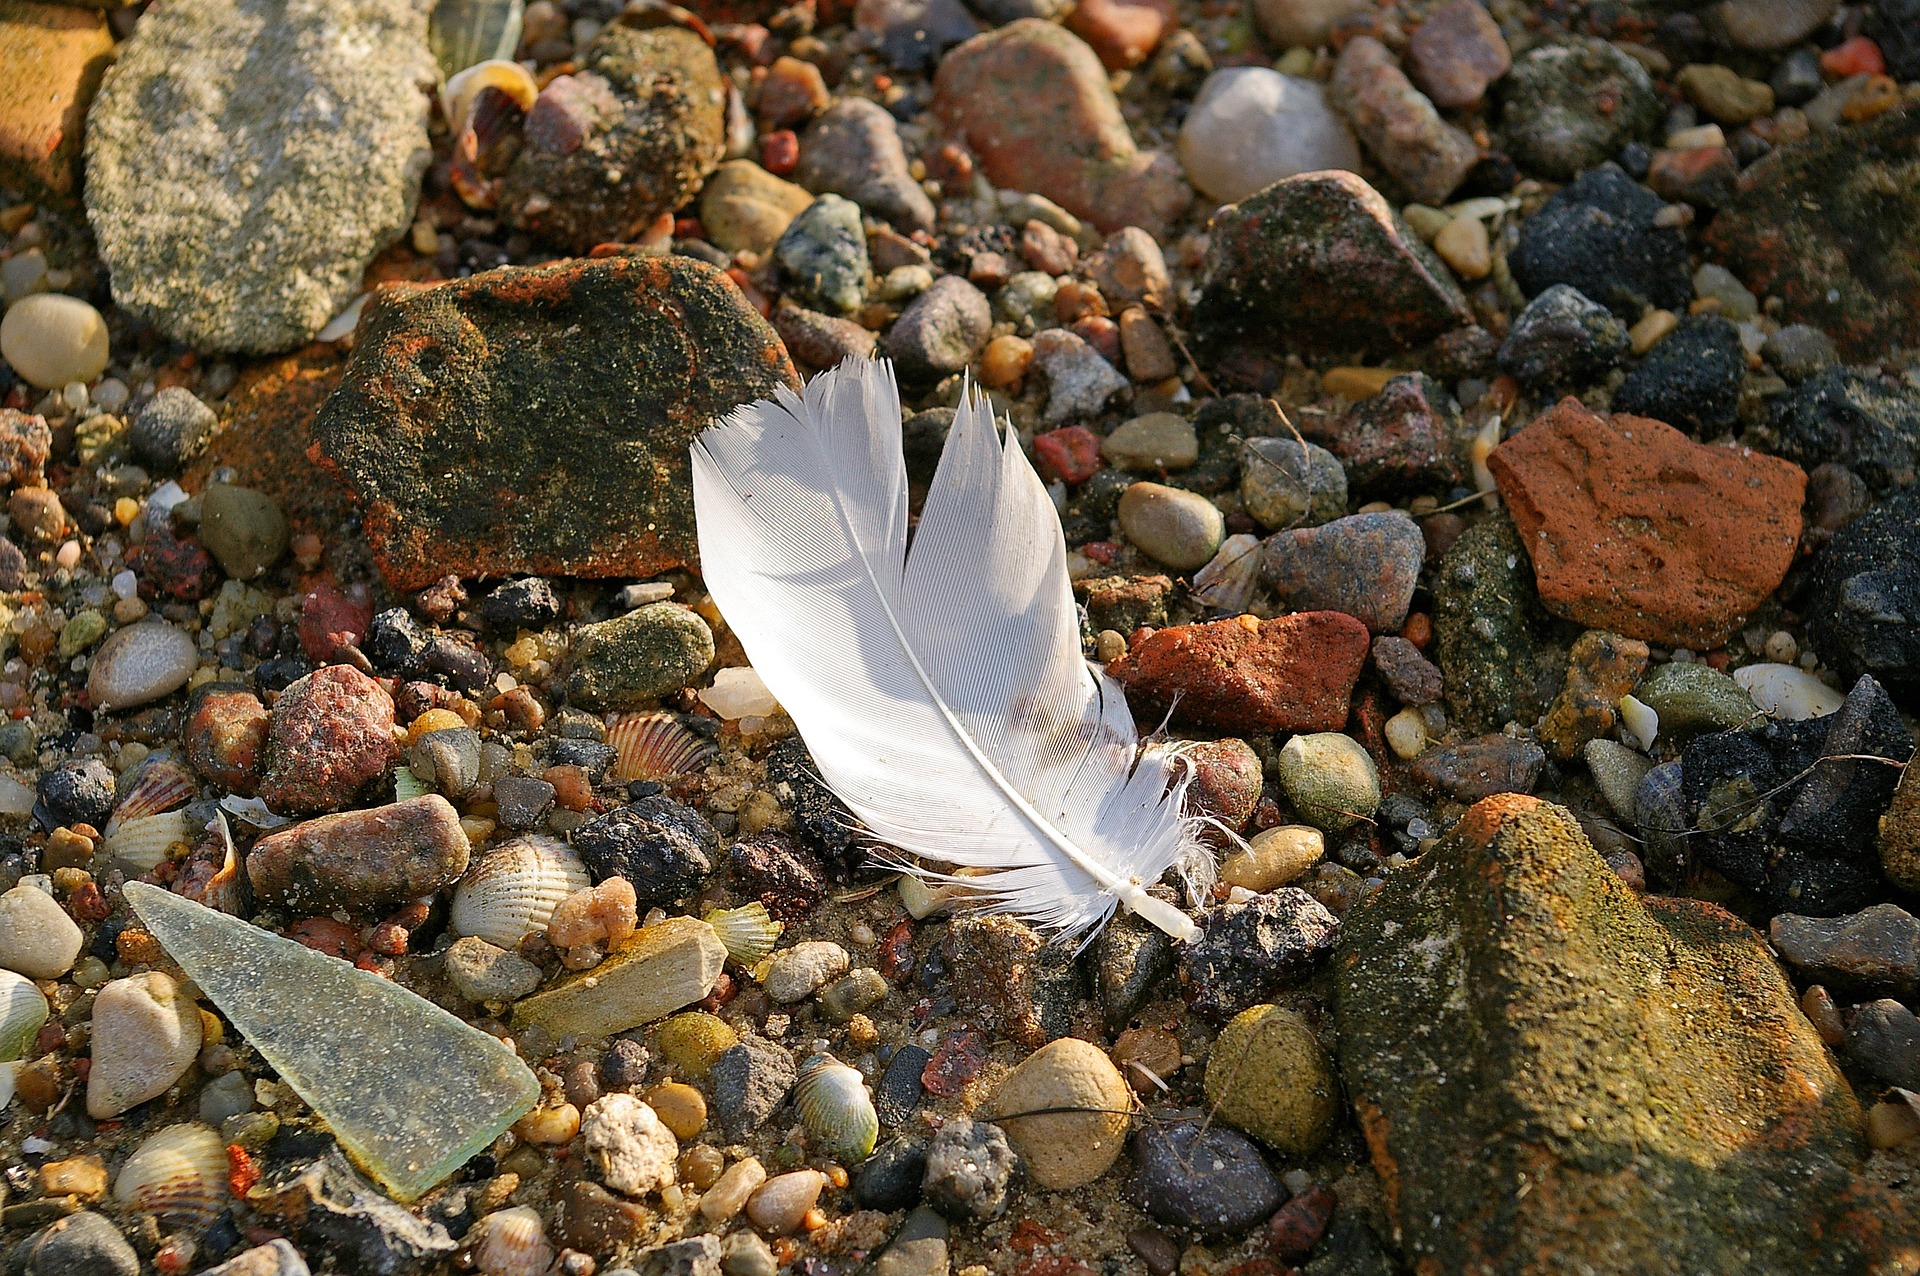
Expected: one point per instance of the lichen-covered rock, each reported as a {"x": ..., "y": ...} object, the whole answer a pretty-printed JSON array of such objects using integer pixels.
[
  {"x": 1569, "y": 104},
  {"x": 627, "y": 137},
  {"x": 650, "y": 652},
  {"x": 434, "y": 426},
  {"x": 1712, "y": 1132},
  {"x": 1491, "y": 633},
  {"x": 246, "y": 160}
]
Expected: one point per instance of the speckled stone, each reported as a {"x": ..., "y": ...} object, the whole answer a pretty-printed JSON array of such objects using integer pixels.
[{"x": 1365, "y": 565}]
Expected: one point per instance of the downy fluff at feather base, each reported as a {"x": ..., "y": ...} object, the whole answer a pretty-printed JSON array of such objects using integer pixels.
[{"x": 941, "y": 690}]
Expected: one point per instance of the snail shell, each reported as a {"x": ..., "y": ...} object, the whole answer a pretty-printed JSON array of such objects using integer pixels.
[
  {"x": 180, "y": 1174},
  {"x": 836, "y": 1108},
  {"x": 23, "y": 1011},
  {"x": 656, "y": 746},
  {"x": 512, "y": 890},
  {"x": 512, "y": 1242},
  {"x": 1660, "y": 811},
  {"x": 142, "y": 843},
  {"x": 747, "y": 932}
]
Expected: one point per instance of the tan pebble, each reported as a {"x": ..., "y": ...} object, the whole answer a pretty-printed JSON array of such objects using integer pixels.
[
  {"x": 680, "y": 1107},
  {"x": 701, "y": 1166},
  {"x": 1425, "y": 220},
  {"x": 1653, "y": 325},
  {"x": 1147, "y": 1057},
  {"x": 1005, "y": 362},
  {"x": 52, "y": 339},
  {"x": 1406, "y": 733},
  {"x": 37, "y": 938},
  {"x": 1356, "y": 383},
  {"x": 145, "y": 1035},
  {"x": 549, "y": 1126},
  {"x": 1065, "y": 1149},
  {"x": 1274, "y": 857},
  {"x": 781, "y": 1203},
  {"x": 728, "y": 1195},
  {"x": 1891, "y": 1124},
  {"x": 81, "y": 1176},
  {"x": 1463, "y": 244}
]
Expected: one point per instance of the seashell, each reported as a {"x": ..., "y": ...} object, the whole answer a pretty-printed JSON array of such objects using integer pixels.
[
  {"x": 223, "y": 888},
  {"x": 511, "y": 891},
  {"x": 512, "y": 1242},
  {"x": 162, "y": 784},
  {"x": 654, "y": 746},
  {"x": 1660, "y": 811},
  {"x": 141, "y": 844},
  {"x": 1640, "y": 722},
  {"x": 835, "y": 1107},
  {"x": 23, "y": 1011},
  {"x": 481, "y": 103},
  {"x": 466, "y": 33},
  {"x": 748, "y": 932},
  {"x": 179, "y": 1173},
  {"x": 1788, "y": 691},
  {"x": 1227, "y": 583}
]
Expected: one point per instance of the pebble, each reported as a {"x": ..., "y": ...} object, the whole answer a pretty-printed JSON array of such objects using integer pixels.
[
  {"x": 1148, "y": 354},
  {"x": 1409, "y": 675},
  {"x": 1202, "y": 1177},
  {"x": 1716, "y": 283},
  {"x": 1268, "y": 1075},
  {"x": 1899, "y": 835},
  {"x": 1618, "y": 772},
  {"x": 940, "y": 332},
  {"x": 1562, "y": 339},
  {"x": 1766, "y": 25},
  {"x": 1065, "y": 1150},
  {"x": 855, "y": 994},
  {"x": 1456, "y": 53},
  {"x": 1171, "y": 525},
  {"x": 919, "y": 1248},
  {"x": 1329, "y": 779},
  {"x": 81, "y": 1244},
  {"x": 1156, "y": 441},
  {"x": 1303, "y": 23},
  {"x": 77, "y": 791},
  {"x": 1130, "y": 269},
  {"x": 1723, "y": 94},
  {"x": 1691, "y": 379},
  {"x": 1251, "y": 126},
  {"x": 330, "y": 734},
  {"x": 1287, "y": 482},
  {"x": 1225, "y": 781},
  {"x": 731, "y": 1191},
  {"x": 51, "y": 339},
  {"x": 1079, "y": 380},
  {"x": 823, "y": 254},
  {"x": 1365, "y": 565},
  {"x": 1248, "y": 676},
  {"x": 1247, "y": 953},
  {"x": 37, "y": 938},
  {"x": 786, "y": 877},
  {"x": 626, "y": 1146},
  {"x": 853, "y": 149},
  {"x": 483, "y": 973},
  {"x": 970, "y": 1167},
  {"x": 1549, "y": 106},
  {"x": 663, "y": 849},
  {"x": 1799, "y": 352},
  {"x": 780, "y": 1205},
  {"x": 898, "y": 1091},
  {"x": 1601, "y": 668},
  {"x": 1464, "y": 245},
  {"x": 1274, "y": 857},
  {"x": 1129, "y": 958},
  {"x": 1883, "y": 1037},
  {"x": 1876, "y": 949},
  {"x": 632, "y": 660},
  {"x": 1011, "y": 982},
  {"x": 1695, "y": 697},
  {"x": 1407, "y": 433},
  {"x": 242, "y": 528},
  {"x": 796, "y": 973},
  {"x": 1863, "y": 601},
  {"x": 744, "y": 208},
  {"x": 146, "y": 1034},
  {"x": 750, "y": 1080},
  {"x": 361, "y": 860},
  {"x": 1471, "y": 769},
  {"x": 1601, "y": 235},
  {"x": 1398, "y": 124}
]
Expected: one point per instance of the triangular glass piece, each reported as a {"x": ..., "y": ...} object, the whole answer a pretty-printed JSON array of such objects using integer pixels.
[{"x": 409, "y": 1091}]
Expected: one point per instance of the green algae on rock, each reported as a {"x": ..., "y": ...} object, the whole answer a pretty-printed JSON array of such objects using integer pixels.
[
  {"x": 408, "y": 1090},
  {"x": 1490, "y": 629},
  {"x": 536, "y": 420},
  {"x": 1554, "y": 1075}
]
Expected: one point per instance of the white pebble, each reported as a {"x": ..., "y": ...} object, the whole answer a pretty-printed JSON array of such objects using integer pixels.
[
  {"x": 37, "y": 938},
  {"x": 1639, "y": 721},
  {"x": 145, "y": 1036},
  {"x": 52, "y": 339},
  {"x": 1407, "y": 733},
  {"x": 1251, "y": 126},
  {"x": 738, "y": 693},
  {"x": 140, "y": 664}
]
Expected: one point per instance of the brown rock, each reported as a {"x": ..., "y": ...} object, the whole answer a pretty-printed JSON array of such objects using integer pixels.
[
  {"x": 37, "y": 511},
  {"x": 1456, "y": 53},
  {"x": 1149, "y": 356},
  {"x": 362, "y": 860},
  {"x": 1601, "y": 668},
  {"x": 1702, "y": 175},
  {"x": 821, "y": 341},
  {"x": 1409, "y": 435},
  {"x": 266, "y": 434},
  {"x": 330, "y": 734},
  {"x": 55, "y": 57},
  {"x": 793, "y": 92},
  {"x": 1292, "y": 673},
  {"x": 1398, "y": 124},
  {"x": 25, "y": 442},
  {"x": 1033, "y": 102},
  {"x": 1130, "y": 269},
  {"x": 1634, "y": 527},
  {"x": 434, "y": 425},
  {"x": 595, "y": 1221},
  {"x": 1122, "y": 32},
  {"x": 226, "y": 737},
  {"x": 1481, "y": 767},
  {"x": 1900, "y": 834},
  {"x": 1001, "y": 972}
]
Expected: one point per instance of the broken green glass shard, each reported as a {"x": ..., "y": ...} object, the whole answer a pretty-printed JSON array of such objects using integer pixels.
[{"x": 410, "y": 1092}]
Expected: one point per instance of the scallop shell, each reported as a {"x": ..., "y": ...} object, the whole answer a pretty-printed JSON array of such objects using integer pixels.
[
  {"x": 162, "y": 784},
  {"x": 1227, "y": 583},
  {"x": 23, "y": 1010},
  {"x": 653, "y": 746},
  {"x": 407, "y": 785},
  {"x": 141, "y": 844},
  {"x": 180, "y": 1174},
  {"x": 512, "y": 1242},
  {"x": 748, "y": 932},
  {"x": 511, "y": 891},
  {"x": 835, "y": 1107}
]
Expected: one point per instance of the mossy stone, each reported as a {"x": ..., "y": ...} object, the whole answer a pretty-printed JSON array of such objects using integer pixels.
[
  {"x": 1491, "y": 631},
  {"x": 1269, "y": 1076},
  {"x": 1696, "y": 697},
  {"x": 1329, "y": 779},
  {"x": 650, "y": 652},
  {"x": 691, "y": 1042}
]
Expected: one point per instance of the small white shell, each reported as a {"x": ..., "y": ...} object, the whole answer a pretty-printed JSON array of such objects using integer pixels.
[
  {"x": 655, "y": 746},
  {"x": 835, "y": 1107},
  {"x": 1788, "y": 691},
  {"x": 163, "y": 784},
  {"x": 512, "y": 1242},
  {"x": 180, "y": 1173},
  {"x": 747, "y": 932},
  {"x": 463, "y": 90},
  {"x": 1227, "y": 583},
  {"x": 23, "y": 1010},
  {"x": 145, "y": 841},
  {"x": 511, "y": 891},
  {"x": 1640, "y": 722}
]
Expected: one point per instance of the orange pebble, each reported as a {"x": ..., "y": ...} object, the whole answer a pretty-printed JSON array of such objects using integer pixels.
[{"x": 1857, "y": 56}]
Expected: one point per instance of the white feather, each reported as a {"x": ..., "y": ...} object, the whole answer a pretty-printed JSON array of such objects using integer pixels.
[{"x": 942, "y": 693}]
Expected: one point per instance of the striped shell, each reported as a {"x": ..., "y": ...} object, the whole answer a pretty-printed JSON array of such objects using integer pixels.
[
  {"x": 179, "y": 1173},
  {"x": 23, "y": 1010},
  {"x": 511, "y": 891},
  {"x": 654, "y": 746},
  {"x": 512, "y": 1242},
  {"x": 163, "y": 783},
  {"x": 835, "y": 1107},
  {"x": 146, "y": 841},
  {"x": 747, "y": 932}
]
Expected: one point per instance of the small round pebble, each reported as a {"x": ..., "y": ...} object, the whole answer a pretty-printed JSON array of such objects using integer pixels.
[
  {"x": 798, "y": 972},
  {"x": 140, "y": 664},
  {"x": 37, "y": 938},
  {"x": 970, "y": 1168},
  {"x": 171, "y": 428},
  {"x": 680, "y": 1107},
  {"x": 243, "y": 528},
  {"x": 1065, "y": 1149},
  {"x": 1268, "y": 1075},
  {"x": 1329, "y": 779},
  {"x": 78, "y": 791},
  {"x": 1179, "y": 528},
  {"x": 51, "y": 339},
  {"x": 1274, "y": 857},
  {"x": 781, "y": 1203},
  {"x": 146, "y": 1034},
  {"x": 481, "y": 972},
  {"x": 1156, "y": 441},
  {"x": 1251, "y": 126},
  {"x": 1463, "y": 244}
]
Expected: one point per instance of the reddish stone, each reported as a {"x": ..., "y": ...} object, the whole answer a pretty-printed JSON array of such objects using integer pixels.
[
  {"x": 1702, "y": 175},
  {"x": 1122, "y": 32},
  {"x": 1858, "y": 55},
  {"x": 1226, "y": 782},
  {"x": 1635, "y": 528},
  {"x": 325, "y": 935},
  {"x": 896, "y": 959},
  {"x": 331, "y": 619},
  {"x": 1069, "y": 455},
  {"x": 1292, "y": 673},
  {"x": 1032, "y": 102},
  {"x": 55, "y": 55},
  {"x": 955, "y": 1062},
  {"x": 1398, "y": 124},
  {"x": 173, "y": 569},
  {"x": 226, "y": 737},
  {"x": 1408, "y": 436},
  {"x": 780, "y": 151},
  {"x": 25, "y": 442},
  {"x": 331, "y": 733},
  {"x": 1300, "y": 1223},
  {"x": 1102, "y": 333},
  {"x": 265, "y": 432},
  {"x": 1456, "y": 53},
  {"x": 792, "y": 93}
]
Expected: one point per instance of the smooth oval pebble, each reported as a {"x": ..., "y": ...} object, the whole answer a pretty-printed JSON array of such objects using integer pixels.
[
  {"x": 37, "y": 938},
  {"x": 1251, "y": 126},
  {"x": 729, "y": 1195},
  {"x": 1268, "y": 1075},
  {"x": 1329, "y": 779},
  {"x": 1274, "y": 857},
  {"x": 52, "y": 339},
  {"x": 1179, "y": 528},
  {"x": 1788, "y": 691},
  {"x": 1065, "y": 1149},
  {"x": 139, "y": 664},
  {"x": 782, "y": 1202},
  {"x": 145, "y": 1035}
]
